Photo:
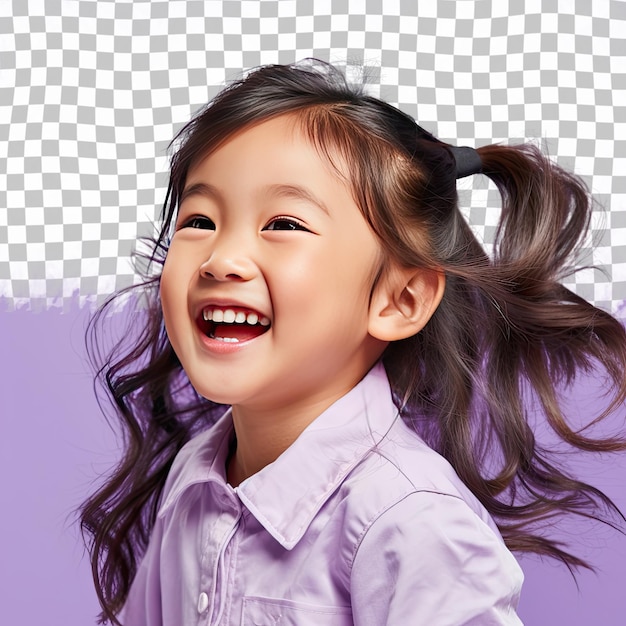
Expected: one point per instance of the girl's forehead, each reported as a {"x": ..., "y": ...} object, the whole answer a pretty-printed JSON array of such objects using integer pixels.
[
  {"x": 277, "y": 134},
  {"x": 272, "y": 159}
]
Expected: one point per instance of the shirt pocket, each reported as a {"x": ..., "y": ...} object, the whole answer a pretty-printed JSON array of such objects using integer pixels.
[{"x": 276, "y": 612}]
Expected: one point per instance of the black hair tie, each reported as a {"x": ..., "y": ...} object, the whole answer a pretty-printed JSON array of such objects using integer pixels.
[{"x": 467, "y": 161}]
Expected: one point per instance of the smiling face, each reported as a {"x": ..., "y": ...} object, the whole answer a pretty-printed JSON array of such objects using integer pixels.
[{"x": 266, "y": 286}]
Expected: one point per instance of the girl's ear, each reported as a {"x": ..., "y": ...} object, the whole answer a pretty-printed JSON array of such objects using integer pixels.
[{"x": 403, "y": 302}]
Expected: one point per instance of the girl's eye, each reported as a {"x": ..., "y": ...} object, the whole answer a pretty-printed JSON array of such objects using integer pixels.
[
  {"x": 285, "y": 223},
  {"x": 199, "y": 221}
]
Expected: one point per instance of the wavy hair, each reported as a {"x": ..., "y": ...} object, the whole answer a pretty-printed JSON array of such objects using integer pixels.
[{"x": 506, "y": 333}]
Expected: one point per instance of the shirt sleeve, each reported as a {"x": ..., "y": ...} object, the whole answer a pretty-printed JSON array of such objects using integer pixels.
[
  {"x": 430, "y": 560},
  {"x": 143, "y": 604}
]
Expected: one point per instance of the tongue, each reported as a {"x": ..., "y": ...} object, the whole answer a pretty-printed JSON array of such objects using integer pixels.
[{"x": 242, "y": 332}]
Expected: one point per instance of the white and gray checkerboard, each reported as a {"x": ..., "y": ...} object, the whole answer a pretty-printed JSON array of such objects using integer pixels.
[{"x": 91, "y": 92}]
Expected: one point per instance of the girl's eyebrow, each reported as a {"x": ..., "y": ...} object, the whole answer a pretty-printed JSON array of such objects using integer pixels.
[
  {"x": 199, "y": 189},
  {"x": 296, "y": 192},
  {"x": 278, "y": 190}
]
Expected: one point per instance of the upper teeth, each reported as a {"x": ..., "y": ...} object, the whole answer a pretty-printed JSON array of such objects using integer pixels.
[{"x": 229, "y": 317}]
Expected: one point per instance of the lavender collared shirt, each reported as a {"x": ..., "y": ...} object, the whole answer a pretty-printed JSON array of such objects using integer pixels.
[{"x": 357, "y": 522}]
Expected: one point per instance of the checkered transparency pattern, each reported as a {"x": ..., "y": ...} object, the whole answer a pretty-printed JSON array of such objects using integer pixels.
[{"x": 91, "y": 93}]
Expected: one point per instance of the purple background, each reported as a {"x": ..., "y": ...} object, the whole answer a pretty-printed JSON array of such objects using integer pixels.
[{"x": 55, "y": 443}]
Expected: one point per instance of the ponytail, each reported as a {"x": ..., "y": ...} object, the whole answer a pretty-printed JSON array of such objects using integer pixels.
[{"x": 546, "y": 213}]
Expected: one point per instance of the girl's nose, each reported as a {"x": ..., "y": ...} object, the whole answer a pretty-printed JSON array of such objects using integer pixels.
[{"x": 228, "y": 264}]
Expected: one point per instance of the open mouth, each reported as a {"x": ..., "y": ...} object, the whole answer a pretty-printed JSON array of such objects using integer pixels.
[{"x": 232, "y": 324}]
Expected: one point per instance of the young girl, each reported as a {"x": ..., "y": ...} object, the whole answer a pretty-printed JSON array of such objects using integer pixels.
[{"x": 376, "y": 464}]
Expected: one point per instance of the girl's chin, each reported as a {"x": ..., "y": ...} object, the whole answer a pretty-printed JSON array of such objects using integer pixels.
[{"x": 223, "y": 393}]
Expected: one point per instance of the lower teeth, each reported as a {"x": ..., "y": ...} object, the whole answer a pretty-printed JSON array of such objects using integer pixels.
[{"x": 226, "y": 339}]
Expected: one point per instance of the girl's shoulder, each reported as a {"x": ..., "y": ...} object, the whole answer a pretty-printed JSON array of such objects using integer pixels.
[
  {"x": 410, "y": 520},
  {"x": 401, "y": 468}
]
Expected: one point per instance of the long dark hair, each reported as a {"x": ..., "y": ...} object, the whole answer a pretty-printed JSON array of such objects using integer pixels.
[{"x": 506, "y": 332}]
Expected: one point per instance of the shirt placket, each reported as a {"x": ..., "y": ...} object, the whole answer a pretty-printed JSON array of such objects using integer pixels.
[{"x": 213, "y": 593}]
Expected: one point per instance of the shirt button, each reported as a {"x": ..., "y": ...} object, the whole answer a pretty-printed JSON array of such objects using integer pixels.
[{"x": 203, "y": 602}]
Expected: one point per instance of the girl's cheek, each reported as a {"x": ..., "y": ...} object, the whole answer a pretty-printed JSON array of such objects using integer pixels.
[
  {"x": 168, "y": 283},
  {"x": 172, "y": 266}
]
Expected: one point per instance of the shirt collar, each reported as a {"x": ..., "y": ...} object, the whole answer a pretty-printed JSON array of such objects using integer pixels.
[
  {"x": 201, "y": 460},
  {"x": 286, "y": 495}
]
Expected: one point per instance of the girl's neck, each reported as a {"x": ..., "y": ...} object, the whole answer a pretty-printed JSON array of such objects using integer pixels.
[
  {"x": 254, "y": 448},
  {"x": 262, "y": 436}
]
